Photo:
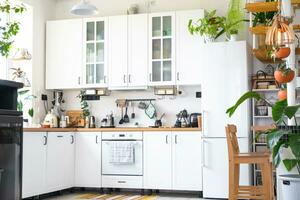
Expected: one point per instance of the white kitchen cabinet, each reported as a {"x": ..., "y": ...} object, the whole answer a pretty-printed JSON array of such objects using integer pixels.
[
  {"x": 158, "y": 160},
  {"x": 138, "y": 51},
  {"x": 88, "y": 160},
  {"x": 128, "y": 51},
  {"x": 95, "y": 52},
  {"x": 188, "y": 49},
  {"x": 224, "y": 79},
  {"x": 215, "y": 167},
  {"x": 64, "y": 54},
  {"x": 118, "y": 50},
  {"x": 187, "y": 167},
  {"x": 162, "y": 34},
  {"x": 34, "y": 163},
  {"x": 60, "y": 161}
]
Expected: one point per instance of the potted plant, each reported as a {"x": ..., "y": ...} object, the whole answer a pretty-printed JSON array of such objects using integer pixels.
[
  {"x": 282, "y": 136},
  {"x": 84, "y": 107},
  {"x": 284, "y": 74},
  {"x": 18, "y": 75},
  {"x": 10, "y": 29},
  {"x": 210, "y": 27},
  {"x": 234, "y": 19}
]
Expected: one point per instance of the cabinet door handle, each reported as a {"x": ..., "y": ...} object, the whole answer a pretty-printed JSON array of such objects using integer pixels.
[
  {"x": 72, "y": 139},
  {"x": 104, "y": 79},
  {"x": 176, "y": 139},
  {"x": 96, "y": 139},
  {"x": 79, "y": 81},
  {"x": 124, "y": 78},
  {"x": 129, "y": 78},
  {"x": 177, "y": 76},
  {"x": 60, "y": 136},
  {"x": 45, "y": 140},
  {"x": 121, "y": 181},
  {"x": 150, "y": 77},
  {"x": 167, "y": 139}
]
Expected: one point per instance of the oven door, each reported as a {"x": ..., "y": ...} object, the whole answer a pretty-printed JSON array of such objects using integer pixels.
[{"x": 132, "y": 169}]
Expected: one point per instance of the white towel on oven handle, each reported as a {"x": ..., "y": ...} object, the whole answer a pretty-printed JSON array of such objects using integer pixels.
[{"x": 122, "y": 152}]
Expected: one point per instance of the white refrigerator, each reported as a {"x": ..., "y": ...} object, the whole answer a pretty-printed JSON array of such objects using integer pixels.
[{"x": 225, "y": 77}]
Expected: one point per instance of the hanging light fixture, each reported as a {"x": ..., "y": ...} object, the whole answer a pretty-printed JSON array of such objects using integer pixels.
[
  {"x": 84, "y": 8},
  {"x": 280, "y": 33}
]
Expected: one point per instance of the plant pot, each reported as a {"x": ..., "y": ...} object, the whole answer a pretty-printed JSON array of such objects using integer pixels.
[
  {"x": 20, "y": 79},
  {"x": 290, "y": 186},
  {"x": 232, "y": 38},
  {"x": 283, "y": 52},
  {"x": 282, "y": 77},
  {"x": 282, "y": 95},
  {"x": 208, "y": 38}
]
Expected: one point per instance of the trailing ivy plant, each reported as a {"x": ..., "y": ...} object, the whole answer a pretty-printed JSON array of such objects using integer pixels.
[
  {"x": 83, "y": 103},
  {"x": 282, "y": 135},
  {"x": 10, "y": 29},
  {"x": 210, "y": 26}
]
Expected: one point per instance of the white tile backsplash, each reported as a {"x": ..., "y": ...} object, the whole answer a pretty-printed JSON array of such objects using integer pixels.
[{"x": 169, "y": 105}]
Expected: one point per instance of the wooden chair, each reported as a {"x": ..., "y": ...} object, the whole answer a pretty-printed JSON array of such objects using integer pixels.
[{"x": 236, "y": 191}]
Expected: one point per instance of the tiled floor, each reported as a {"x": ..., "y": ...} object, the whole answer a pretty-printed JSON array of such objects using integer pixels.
[{"x": 161, "y": 196}]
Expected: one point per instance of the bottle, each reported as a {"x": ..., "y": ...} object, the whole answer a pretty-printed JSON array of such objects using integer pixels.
[{"x": 54, "y": 120}]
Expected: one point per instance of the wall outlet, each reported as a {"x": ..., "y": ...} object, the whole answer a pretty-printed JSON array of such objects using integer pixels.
[{"x": 44, "y": 97}]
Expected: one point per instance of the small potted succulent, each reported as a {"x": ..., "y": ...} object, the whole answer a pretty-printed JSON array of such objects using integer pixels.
[{"x": 210, "y": 27}]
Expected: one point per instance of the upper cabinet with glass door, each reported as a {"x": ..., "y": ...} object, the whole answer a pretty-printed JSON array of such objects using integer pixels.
[
  {"x": 162, "y": 49},
  {"x": 95, "y": 52}
]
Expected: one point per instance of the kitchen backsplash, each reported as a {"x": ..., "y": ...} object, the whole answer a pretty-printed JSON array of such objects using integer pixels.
[{"x": 168, "y": 105}]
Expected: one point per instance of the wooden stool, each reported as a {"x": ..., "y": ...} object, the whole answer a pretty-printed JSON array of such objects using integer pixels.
[{"x": 236, "y": 191}]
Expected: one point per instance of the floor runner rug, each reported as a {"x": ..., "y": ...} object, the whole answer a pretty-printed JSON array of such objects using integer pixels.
[{"x": 116, "y": 197}]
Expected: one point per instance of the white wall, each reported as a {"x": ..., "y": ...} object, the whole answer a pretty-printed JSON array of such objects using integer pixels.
[
  {"x": 43, "y": 10},
  {"x": 117, "y": 7}
]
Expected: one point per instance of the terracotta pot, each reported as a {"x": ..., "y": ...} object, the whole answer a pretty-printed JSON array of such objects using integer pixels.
[
  {"x": 282, "y": 94},
  {"x": 281, "y": 77},
  {"x": 283, "y": 52}
]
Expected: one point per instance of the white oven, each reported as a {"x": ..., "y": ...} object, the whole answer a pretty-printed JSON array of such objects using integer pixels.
[{"x": 122, "y": 154}]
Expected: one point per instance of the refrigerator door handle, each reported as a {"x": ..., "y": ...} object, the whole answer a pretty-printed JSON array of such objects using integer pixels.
[
  {"x": 203, "y": 122},
  {"x": 203, "y": 154}
]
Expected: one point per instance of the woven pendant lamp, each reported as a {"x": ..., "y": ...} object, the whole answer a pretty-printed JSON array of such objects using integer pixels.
[{"x": 280, "y": 33}]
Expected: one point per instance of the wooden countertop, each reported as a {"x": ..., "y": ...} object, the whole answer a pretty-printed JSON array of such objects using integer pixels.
[{"x": 123, "y": 129}]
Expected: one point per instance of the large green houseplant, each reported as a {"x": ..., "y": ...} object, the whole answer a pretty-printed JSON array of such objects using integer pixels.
[
  {"x": 283, "y": 136},
  {"x": 10, "y": 29}
]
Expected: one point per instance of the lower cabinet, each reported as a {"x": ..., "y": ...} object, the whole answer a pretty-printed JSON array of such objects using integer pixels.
[
  {"x": 186, "y": 159},
  {"x": 158, "y": 160},
  {"x": 60, "y": 161},
  {"x": 172, "y": 161},
  {"x": 88, "y": 160},
  {"x": 34, "y": 163}
]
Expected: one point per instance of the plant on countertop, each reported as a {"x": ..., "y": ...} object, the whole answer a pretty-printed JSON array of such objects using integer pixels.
[
  {"x": 83, "y": 103},
  {"x": 282, "y": 135},
  {"x": 211, "y": 26},
  {"x": 9, "y": 29}
]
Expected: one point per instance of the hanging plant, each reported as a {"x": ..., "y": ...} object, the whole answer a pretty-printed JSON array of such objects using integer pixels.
[
  {"x": 9, "y": 29},
  {"x": 283, "y": 74}
]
